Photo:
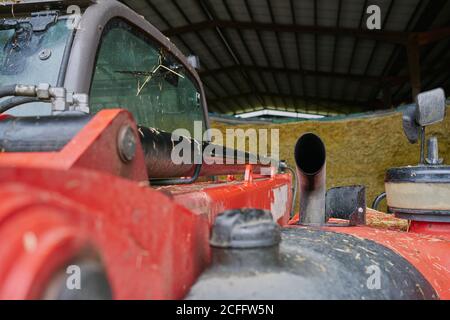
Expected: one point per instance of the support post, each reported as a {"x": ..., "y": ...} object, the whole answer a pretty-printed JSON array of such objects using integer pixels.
[{"x": 413, "y": 53}]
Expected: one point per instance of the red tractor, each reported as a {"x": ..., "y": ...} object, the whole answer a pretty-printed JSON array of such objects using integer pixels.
[{"x": 89, "y": 95}]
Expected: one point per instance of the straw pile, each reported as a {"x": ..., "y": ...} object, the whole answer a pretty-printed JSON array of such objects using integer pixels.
[{"x": 359, "y": 150}]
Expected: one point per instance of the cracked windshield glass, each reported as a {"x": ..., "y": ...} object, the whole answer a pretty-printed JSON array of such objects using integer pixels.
[{"x": 134, "y": 73}]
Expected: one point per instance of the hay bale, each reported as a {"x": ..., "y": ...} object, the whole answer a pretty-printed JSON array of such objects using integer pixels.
[{"x": 359, "y": 150}]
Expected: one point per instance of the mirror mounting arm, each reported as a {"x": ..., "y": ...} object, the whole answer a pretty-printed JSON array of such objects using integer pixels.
[
  {"x": 429, "y": 108},
  {"x": 422, "y": 145}
]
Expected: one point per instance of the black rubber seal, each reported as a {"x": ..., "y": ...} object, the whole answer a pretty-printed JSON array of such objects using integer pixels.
[
  {"x": 424, "y": 174},
  {"x": 421, "y": 214}
]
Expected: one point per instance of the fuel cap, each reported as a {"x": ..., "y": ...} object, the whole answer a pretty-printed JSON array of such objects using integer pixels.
[{"x": 245, "y": 228}]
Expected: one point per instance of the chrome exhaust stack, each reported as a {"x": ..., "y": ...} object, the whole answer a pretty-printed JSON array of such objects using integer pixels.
[{"x": 310, "y": 158}]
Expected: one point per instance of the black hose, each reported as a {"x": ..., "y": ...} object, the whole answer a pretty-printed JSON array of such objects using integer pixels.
[
  {"x": 377, "y": 200},
  {"x": 65, "y": 60},
  {"x": 168, "y": 182},
  {"x": 9, "y": 90},
  {"x": 15, "y": 101}
]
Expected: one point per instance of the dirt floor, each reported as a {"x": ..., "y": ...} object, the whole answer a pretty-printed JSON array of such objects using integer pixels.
[{"x": 359, "y": 150}]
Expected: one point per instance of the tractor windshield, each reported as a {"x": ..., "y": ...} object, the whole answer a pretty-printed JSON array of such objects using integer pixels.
[
  {"x": 29, "y": 55},
  {"x": 134, "y": 72}
]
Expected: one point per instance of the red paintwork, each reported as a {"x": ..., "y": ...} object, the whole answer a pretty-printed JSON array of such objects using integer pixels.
[
  {"x": 144, "y": 257},
  {"x": 438, "y": 229},
  {"x": 54, "y": 205},
  {"x": 94, "y": 147},
  {"x": 153, "y": 241}
]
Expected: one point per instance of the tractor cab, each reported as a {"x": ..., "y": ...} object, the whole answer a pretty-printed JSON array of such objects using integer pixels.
[
  {"x": 70, "y": 56},
  {"x": 63, "y": 62},
  {"x": 90, "y": 96}
]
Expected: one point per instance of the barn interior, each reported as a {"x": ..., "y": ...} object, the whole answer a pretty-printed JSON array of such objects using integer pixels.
[{"x": 313, "y": 65}]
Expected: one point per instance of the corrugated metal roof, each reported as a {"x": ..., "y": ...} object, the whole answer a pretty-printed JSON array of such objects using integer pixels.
[{"x": 303, "y": 55}]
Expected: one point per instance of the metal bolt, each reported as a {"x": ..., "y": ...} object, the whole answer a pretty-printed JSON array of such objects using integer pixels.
[
  {"x": 81, "y": 102},
  {"x": 59, "y": 98},
  {"x": 126, "y": 143},
  {"x": 43, "y": 91},
  {"x": 45, "y": 54}
]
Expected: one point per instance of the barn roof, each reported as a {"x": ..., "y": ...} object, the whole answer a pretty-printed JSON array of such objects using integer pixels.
[{"x": 313, "y": 56}]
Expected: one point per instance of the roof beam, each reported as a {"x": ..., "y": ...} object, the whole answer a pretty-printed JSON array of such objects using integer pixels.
[
  {"x": 335, "y": 48},
  {"x": 304, "y": 72},
  {"x": 205, "y": 44},
  {"x": 389, "y": 36},
  {"x": 297, "y": 47},
  {"x": 426, "y": 13},
  {"x": 395, "y": 56},
  {"x": 263, "y": 47},
  {"x": 424, "y": 38},
  {"x": 280, "y": 47},
  {"x": 386, "y": 91},
  {"x": 249, "y": 52},
  {"x": 211, "y": 15},
  {"x": 316, "y": 49},
  {"x": 345, "y": 91},
  {"x": 413, "y": 53},
  {"x": 440, "y": 66},
  {"x": 400, "y": 37}
]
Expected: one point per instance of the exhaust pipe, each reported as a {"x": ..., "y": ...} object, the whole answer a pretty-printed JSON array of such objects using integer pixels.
[{"x": 310, "y": 158}]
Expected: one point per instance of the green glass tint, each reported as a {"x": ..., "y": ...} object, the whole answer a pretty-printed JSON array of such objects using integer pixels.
[{"x": 134, "y": 73}]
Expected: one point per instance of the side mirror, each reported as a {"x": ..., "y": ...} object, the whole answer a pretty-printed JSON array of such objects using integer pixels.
[
  {"x": 430, "y": 107},
  {"x": 410, "y": 126}
]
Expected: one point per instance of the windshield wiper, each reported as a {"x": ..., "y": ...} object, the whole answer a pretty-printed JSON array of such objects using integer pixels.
[{"x": 39, "y": 21}]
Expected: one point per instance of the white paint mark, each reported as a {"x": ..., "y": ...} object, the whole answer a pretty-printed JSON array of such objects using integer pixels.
[{"x": 279, "y": 205}]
